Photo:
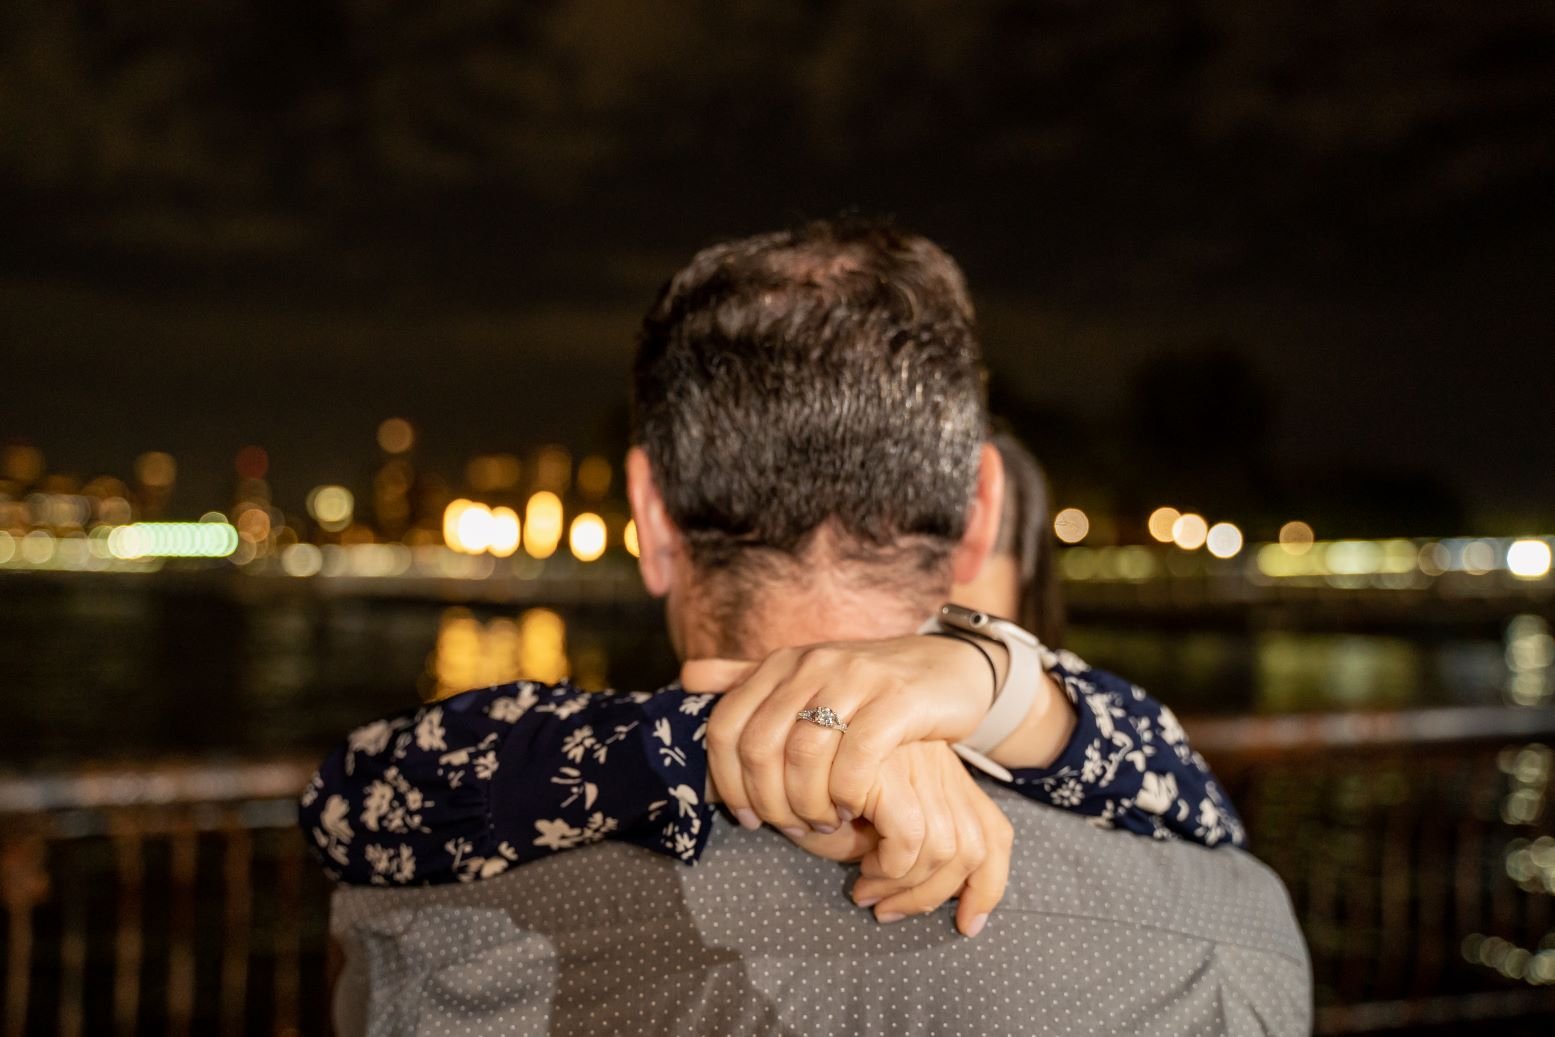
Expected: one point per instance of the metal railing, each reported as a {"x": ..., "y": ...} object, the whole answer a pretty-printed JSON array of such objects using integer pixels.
[
  {"x": 179, "y": 899},
  {"x": 172, "y": 899},
  {"x": 1406, "y": 840}
]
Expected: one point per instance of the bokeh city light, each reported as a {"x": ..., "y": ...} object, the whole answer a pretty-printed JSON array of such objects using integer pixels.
[
  {"x": 173, "y": 540},
  {"x": 331, "y": 507},
  {"x": 1189, "y": 531},
  {"x": 543, "y": 524},
  {"x": 1297, "y": 537},
  {"x": 104, "y": 527},
  {"x": 396, "y": 436},
  {"x": 542, "y": 645},
  {"x": 156, "y": 468},
  {"x": 472, "y": 526},
  {"x": 1528, "y": 559},
  {"x": 1161, "y": 521},
  {"x": 1224, "y": 540},
  {"x": 1071, "y": 525},
  {"x": 505, "y": 532},
  {"x": 493, "y": 473},
  {"x": 587, "y": 537}
]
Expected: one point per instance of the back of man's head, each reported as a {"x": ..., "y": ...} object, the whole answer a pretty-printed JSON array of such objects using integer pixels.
[{"x": 823, "y": 378}]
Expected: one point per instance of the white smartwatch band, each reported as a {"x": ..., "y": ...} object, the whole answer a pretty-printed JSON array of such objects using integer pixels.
[{"x": 1012, "y": 700}]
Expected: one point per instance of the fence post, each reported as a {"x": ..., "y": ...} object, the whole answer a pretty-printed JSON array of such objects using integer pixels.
[{"x": 24, "y": 883}]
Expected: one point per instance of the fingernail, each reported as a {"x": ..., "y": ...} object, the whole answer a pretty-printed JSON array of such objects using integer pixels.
[
  {"x": 868, "y": 902},
  {"x": 845, "y": 814},
  {"x": 825, "y": 829},
  {"x": 748, "y": 819},
  {"x": 889, "y": 917},
  {"x": 975, "y": 926},
  {"x": 793, "y": 833}
]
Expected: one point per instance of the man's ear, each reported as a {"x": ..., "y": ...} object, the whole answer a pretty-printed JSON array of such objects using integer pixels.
[
  {"x": 982, "y": 518},
  {"x": 658, "y": 538}
]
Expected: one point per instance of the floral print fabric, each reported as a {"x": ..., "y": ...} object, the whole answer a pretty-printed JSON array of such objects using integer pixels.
[
  {"x": 467, "y": 787},
  {"x": 1128, "y": 764}
]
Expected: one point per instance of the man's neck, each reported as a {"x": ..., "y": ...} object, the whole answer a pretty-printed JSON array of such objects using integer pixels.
[{"x": 826, "y": 608}]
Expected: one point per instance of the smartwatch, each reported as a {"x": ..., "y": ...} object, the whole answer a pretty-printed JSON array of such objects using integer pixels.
[{"x": 1013, "y": 699}]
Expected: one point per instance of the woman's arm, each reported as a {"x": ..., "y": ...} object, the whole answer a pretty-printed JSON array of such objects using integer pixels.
[
  {"x": 468, "y": 787},
  {"x": 471, "y": 785},
  {"x": 1128, "y": 763},
  {"x": 1092, "y": 743}
]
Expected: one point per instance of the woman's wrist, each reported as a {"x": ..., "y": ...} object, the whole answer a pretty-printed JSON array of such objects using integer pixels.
[
  {"x": 1019, "y": 705},
  {"x": 993, "y": 662},
  {"x": 1042, "y": 736},
  {"x": 1042, "y": 732}
]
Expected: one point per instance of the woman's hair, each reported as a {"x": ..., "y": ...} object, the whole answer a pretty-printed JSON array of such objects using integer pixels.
[{"x": 1026, "y": 534}]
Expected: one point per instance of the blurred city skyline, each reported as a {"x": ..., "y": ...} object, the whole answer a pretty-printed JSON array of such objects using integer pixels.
[
  {"x": 504, "y": 514},
  {"x": 1281, "y": 261}
]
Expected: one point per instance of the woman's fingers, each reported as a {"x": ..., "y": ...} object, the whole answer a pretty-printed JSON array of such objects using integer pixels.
[
  {"x": 977, "y": 869},
  {"x": 761, "y": 751},
  {"x": 933, "y": 834},
  {"x": 758, "y": 748},
  {"x": 899, "y": 819},
  {"x": 986, "y": 883},
  {"x": 769, "y": 766},
  {"x": 926, "y": 885},
  {"x": 763, "y": 748},
  {"x": 847, "y": 843},
  {"x": 786, "y": 762},
  {"x": 806, "y": 770},
  {"x": 876, "y": 730},
  {"x": 810, "y": 754},
  {"x": 925, "y": 897},
  {"x": 726, "y": 726}
]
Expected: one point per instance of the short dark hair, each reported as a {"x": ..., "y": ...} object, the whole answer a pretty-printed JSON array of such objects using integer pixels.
[{"x": 829, "y": 374}]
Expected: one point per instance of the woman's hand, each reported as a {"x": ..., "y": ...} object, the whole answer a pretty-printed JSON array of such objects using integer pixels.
[
  {"x": 770, "y": 767},
  {"x": 927, "y": 834}
]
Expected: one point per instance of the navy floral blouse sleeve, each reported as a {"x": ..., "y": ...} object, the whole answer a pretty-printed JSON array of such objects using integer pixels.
[
  {"x": 470, "y": 786},
  {"x": 1128, "y": 764}
]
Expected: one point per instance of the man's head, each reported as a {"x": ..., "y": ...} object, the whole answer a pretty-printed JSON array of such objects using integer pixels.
[{"x": 809, "y": 421}]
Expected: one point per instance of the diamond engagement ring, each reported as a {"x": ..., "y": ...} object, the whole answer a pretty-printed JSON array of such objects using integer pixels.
[{"x": 823, "y": 717}]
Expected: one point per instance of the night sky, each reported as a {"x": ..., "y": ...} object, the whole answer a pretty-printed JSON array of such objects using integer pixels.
[{"x": 1272, "y": 256}]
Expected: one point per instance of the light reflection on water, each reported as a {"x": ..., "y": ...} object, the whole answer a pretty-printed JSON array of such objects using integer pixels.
[
  {"x": 1530, "y": 661},
  {"x": 471, "y": 653},
  {"x": 1285, "y": 671},
  {"x": 95, "y": 670},
  {"x": 1352, "y": 672}
]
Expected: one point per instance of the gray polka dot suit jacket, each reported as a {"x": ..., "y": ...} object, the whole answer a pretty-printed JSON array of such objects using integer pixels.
[{"x": 1101, "y": 932}]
